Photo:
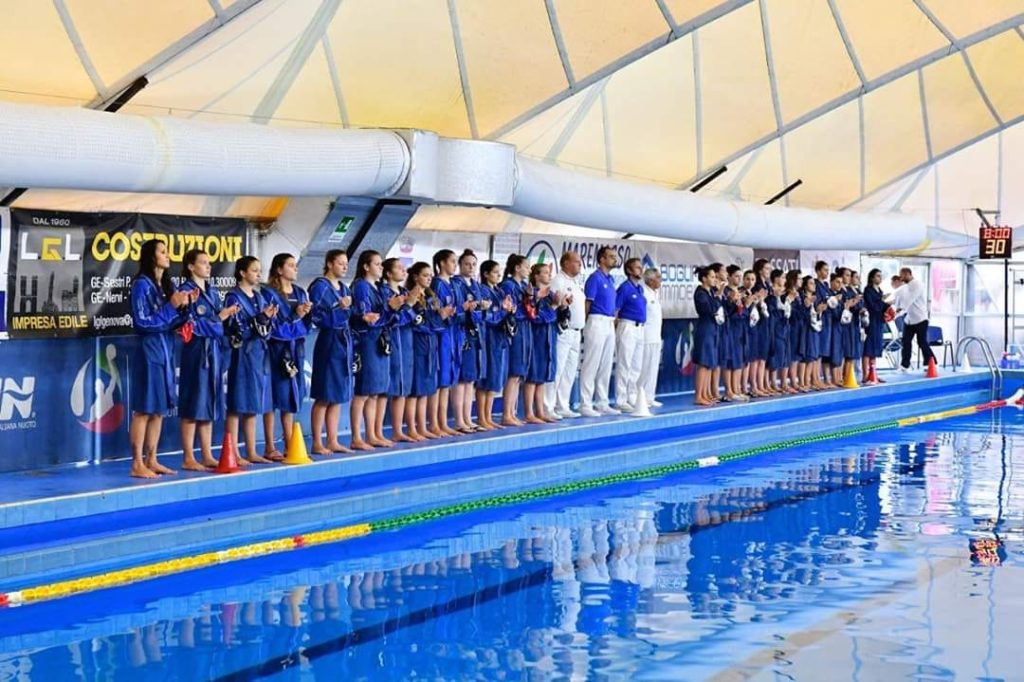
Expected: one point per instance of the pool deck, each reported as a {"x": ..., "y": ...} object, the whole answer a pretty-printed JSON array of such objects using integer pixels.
[{"x": 69, "y": 521}]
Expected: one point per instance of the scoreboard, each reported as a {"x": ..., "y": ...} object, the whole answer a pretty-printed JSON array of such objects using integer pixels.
[{"x": 995, "y": 242}]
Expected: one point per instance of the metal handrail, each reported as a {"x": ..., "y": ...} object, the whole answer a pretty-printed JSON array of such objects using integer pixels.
[{"x": 990, "y": 360}]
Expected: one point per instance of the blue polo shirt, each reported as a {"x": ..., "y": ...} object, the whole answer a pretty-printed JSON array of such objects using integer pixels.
[
  {"x": 600, "y": 291},
  {"x": 631, "y": 302}
]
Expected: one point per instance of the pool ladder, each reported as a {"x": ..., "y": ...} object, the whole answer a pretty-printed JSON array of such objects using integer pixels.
[{"x": 986, "y": 350}]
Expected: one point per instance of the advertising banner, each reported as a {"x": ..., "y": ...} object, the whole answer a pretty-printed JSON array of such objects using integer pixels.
[
  {"x": 781, "y": 259},
  {"x": 70, "y": 274},
  {"x": 421, "y": 245},
  {"x": 835, "y": 259},
  {"x": 677, "y": 262}
]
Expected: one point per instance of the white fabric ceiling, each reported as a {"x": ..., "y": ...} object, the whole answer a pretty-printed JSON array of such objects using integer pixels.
[{"x": 866, "y": 101}]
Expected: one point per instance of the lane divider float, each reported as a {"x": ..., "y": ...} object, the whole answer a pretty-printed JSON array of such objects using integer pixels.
[{"x": 127, "y": 576}]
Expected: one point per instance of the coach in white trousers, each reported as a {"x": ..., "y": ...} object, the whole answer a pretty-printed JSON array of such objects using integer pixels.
[
  {"x": 629, "y": 335},
  {"x": 598, "y": 337},
  {"x": 557, "y": 394},
  {"x": 652, "y": 337}
]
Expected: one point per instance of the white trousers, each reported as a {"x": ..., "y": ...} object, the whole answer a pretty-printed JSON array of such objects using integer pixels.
[
  {"x": 558, "y": 393},
  {"x": 649, "y": 369},
  {"x": 598, "y": 354},
  {"x": 629, "y": 354}
]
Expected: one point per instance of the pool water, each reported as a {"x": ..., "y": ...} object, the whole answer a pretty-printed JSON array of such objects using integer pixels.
[{"x": 894, "y": 555}]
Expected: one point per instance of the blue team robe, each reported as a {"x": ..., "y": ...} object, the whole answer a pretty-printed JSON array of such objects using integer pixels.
[
  {"x": 375, "y": 367},
  {"x": 449, "y": 340},
  {"x": 760, "y": 334},
  {"x": 400, "y": 365},
  {"x": 426, "y": 333},
  {"x": 154, "y": 319},
  {"x": 822, "y": 293},
  {"x": 495, "y": 342},
  {"x": 544, "y": 329},
  {"x": 332, "y": 352},
  {"x": 201, "y": 376},
  {"x": 471, "y": 323},
  {"x": 287, "y": 340},
  {"x": 706, "y": 329},
  {"x": 248, "y": 367},
  {"x": 876, "y": 308},
  {"x": 837, "y": 337},
  {"x": 730, "y": 335},
  {"x": 778, "y": 352},
  {"x": 854, "y": 348},
  {"x": 520, "y": 351}
]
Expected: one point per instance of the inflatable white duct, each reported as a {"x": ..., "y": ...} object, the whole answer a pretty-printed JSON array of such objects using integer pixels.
[{"x": 71, "y": 148}]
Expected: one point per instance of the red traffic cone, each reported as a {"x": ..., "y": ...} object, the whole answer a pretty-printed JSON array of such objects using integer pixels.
[
  {"x": 933, "y": 371},
  {"x": 227, "y": 622},
  {"x": 872, "y": 376},
  {"x": 228, "y": 456}
]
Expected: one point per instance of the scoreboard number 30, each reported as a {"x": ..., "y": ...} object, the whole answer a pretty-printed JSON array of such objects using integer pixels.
[{"x": 995, "y": 242}]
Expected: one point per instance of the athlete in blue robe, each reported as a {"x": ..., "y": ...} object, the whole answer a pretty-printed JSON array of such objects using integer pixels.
[
  {"x": 854, "y": 348},
  {"x": 544, "y": 329},
  {"x": 731, "y": 333},
  {"x": 449, "y": 341},
  {"x": 248, "y": 368},
  {"x": 427, "y": 330},
  {"x": 778, "y": 352},
  {"x": 400, "y": 363},
  {"x": 521, "y": 345},
  {"x": 823, "y": 293},
  {"x": 154, "y": 319},
  {"x": 331, "y": 381},
  {"x": 201, "y": 376},
  {"x": 876, "y": 307},
  {"x": 810, "y": 349},
  {"x": 706, "y": 329},
  {"x": 471, "y": 360},
  {"x": 375, "y": 370},
  {"x": 495, "y": 342},
  {"x": 288, "y": 343}
]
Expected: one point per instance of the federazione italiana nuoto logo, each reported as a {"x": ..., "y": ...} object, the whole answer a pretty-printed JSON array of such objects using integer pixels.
[{"x": 99, "y": 407}]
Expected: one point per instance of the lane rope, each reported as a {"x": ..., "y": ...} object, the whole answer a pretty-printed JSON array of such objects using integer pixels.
[{"x": 127, "y": 576}]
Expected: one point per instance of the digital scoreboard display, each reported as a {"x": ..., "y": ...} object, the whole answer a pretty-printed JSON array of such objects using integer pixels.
[{"x": 995, "y": 242}]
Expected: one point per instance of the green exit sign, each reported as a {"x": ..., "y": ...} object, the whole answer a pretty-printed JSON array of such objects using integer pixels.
[{"x": 341, "y": 228}]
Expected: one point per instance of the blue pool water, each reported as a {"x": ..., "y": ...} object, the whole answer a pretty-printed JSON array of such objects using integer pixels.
[{"x": 896, "y": 555}]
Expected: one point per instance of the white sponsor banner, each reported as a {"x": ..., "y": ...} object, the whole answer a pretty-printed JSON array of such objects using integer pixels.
[
  {"x": 676, "y": 261},
  {"x": 835, "y": 259},
  {"x": 421, "y": 245}
]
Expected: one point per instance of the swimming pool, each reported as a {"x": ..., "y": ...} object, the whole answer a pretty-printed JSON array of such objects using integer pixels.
[{"x": 891, "y": 554}]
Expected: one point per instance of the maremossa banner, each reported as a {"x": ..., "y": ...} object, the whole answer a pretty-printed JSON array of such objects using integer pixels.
[
  {"x": 676, "y": 261},
  {"x": 70, "y": 274}
]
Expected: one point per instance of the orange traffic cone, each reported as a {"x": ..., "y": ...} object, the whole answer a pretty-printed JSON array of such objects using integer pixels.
[
  {"x": 295, "y": 450},
  {"x": 228, "y": 456},
  {"x": 933, "y": 372}
]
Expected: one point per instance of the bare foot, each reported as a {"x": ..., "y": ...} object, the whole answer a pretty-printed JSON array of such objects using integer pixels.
[
  {"x": 156, "y": 467},
  {"x": 361, "y": 445},
  {"x": 338, "y": 447},
  {"x": 448, "y": 431},
  {"x": 436, "y": 434},
  {"x": 209, "y": 461},
  {"x": 193, "y": 465},
  {"x": 258, "y": 459},
  {"x": 703, "y": 403},
  {"x": 243, "y": 462},
  {"x": 402, "y": 438},
  {"x": 381, "y": 443},
  {"x": 139, "y": 470},
  {"x": 274, "y": 456},
  {"x": 534, "y": 420},
  {"x": 322, "y": 451}
]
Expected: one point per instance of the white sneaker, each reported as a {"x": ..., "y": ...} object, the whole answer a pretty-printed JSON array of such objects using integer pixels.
[
  {"x": 657, "y": 403},
  {"x": 903, "y": 370},
  {"x": 568, "y": 414},
  {"x": 589, "y": 412},
  {"x": 608, "y": 409},
  {"x": 554, "y": 415},
  {"x": 624, "y": 407}
]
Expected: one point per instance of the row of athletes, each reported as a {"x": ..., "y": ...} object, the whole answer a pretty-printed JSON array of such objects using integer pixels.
[
  {"x": 765, "y": 332},
  {"x": 422, "y": 342}
]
